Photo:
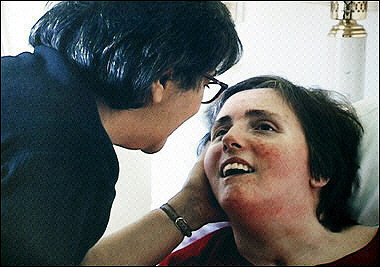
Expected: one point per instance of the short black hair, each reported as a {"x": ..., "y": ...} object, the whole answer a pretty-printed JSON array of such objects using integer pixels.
[
  {"x": 333, "y": 133},
  {"x": 122, "y": 47}
]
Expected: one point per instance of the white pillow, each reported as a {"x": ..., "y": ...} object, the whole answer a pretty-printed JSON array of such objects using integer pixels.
[{"x": 365, "y": 201}]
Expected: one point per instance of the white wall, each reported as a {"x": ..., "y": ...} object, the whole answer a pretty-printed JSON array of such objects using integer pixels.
[
  {"x": 283, "y": 38},
  {"x": 290, "y": 39},
  {"x": 133, "y": 189},
  {"x": 17, "y": 18}
]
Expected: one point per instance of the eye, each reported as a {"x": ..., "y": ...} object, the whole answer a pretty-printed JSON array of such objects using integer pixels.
[
  {"x": 263, "y": 126},
  {"x": 217, "y": 133}
]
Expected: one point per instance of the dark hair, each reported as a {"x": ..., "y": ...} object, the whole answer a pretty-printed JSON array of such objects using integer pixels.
[
  {"x": 122, "y": 47},
  {"x": 333, "y": 133}
]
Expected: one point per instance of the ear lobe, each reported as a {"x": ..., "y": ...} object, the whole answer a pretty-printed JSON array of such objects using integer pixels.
[
  {"x": 157, "y": 92},
  {"x": 321, "y": 182}
]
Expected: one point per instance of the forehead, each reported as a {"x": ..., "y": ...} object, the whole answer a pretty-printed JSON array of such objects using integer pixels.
[{"x": 255, "y": 99}]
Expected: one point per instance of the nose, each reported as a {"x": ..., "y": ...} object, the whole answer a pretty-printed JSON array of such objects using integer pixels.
[{"x": 231, "y": 141}]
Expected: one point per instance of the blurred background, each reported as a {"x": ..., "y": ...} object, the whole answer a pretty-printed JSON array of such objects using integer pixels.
[{"x": 294, "y": 39}]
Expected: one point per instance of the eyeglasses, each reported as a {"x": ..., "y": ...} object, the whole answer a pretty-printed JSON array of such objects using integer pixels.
[{"x": 213, "y": 90}]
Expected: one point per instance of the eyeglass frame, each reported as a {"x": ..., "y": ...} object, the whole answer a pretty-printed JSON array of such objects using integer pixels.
[{"x": 213, "y": 80}]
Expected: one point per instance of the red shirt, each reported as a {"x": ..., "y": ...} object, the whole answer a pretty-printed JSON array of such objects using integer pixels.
[{"x": 219, "y": 249}]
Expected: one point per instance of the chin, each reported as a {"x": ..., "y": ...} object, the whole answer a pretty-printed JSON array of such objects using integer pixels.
[
  {"x": 154, "y": 148},
  {"x": 148, "y": 151}
]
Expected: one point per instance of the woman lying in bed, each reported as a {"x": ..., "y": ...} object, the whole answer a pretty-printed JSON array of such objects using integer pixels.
[{"x": 282, "y": 161}]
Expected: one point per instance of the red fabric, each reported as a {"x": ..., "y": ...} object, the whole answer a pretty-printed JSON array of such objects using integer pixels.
[{"x": 219, "y": 249}]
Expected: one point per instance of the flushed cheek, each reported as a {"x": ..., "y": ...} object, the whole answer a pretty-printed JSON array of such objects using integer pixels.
[
  {"x": 211, "y": 161},
  {"x": 279, "y": 160}
]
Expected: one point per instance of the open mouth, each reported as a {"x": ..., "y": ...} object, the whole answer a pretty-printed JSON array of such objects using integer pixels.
[{"x": 236, "y": 168}]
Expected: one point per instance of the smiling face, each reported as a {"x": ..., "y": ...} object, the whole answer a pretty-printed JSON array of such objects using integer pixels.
[{"x": 257, "y": 160}]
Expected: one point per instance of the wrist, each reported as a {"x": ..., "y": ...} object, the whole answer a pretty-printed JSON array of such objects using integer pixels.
[
  {"x": 189, "y": 210},
  {"x": 178, "y": 220}
]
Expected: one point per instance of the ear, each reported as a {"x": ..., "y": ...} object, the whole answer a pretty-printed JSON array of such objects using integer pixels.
[
  {"x": 158, "y": 86},
  {"x": 321, "y": 182},
  {"x": 157, "y": 91}
]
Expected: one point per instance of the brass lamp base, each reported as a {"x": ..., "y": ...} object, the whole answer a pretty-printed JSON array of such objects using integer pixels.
[{"x": 348, "y": 29}]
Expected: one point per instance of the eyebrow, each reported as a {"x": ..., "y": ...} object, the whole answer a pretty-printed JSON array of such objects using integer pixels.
[{"x": 251, "y": 113}]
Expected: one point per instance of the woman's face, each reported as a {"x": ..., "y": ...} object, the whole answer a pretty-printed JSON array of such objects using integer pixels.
[{"x": 257, "y": 161}]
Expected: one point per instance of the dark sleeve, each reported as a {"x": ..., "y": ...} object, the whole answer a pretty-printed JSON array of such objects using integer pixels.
[
  {"x": 58, "y": 165},
  {"x": 54, "y": 207}
]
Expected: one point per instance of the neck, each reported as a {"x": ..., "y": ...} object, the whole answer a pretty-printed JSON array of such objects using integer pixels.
[
  {"x": 273, "y": 243},
  {"x": 128, "y": 128}
]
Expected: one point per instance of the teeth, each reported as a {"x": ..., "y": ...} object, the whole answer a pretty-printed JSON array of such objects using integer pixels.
[{"x": 238, "y": 166}]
